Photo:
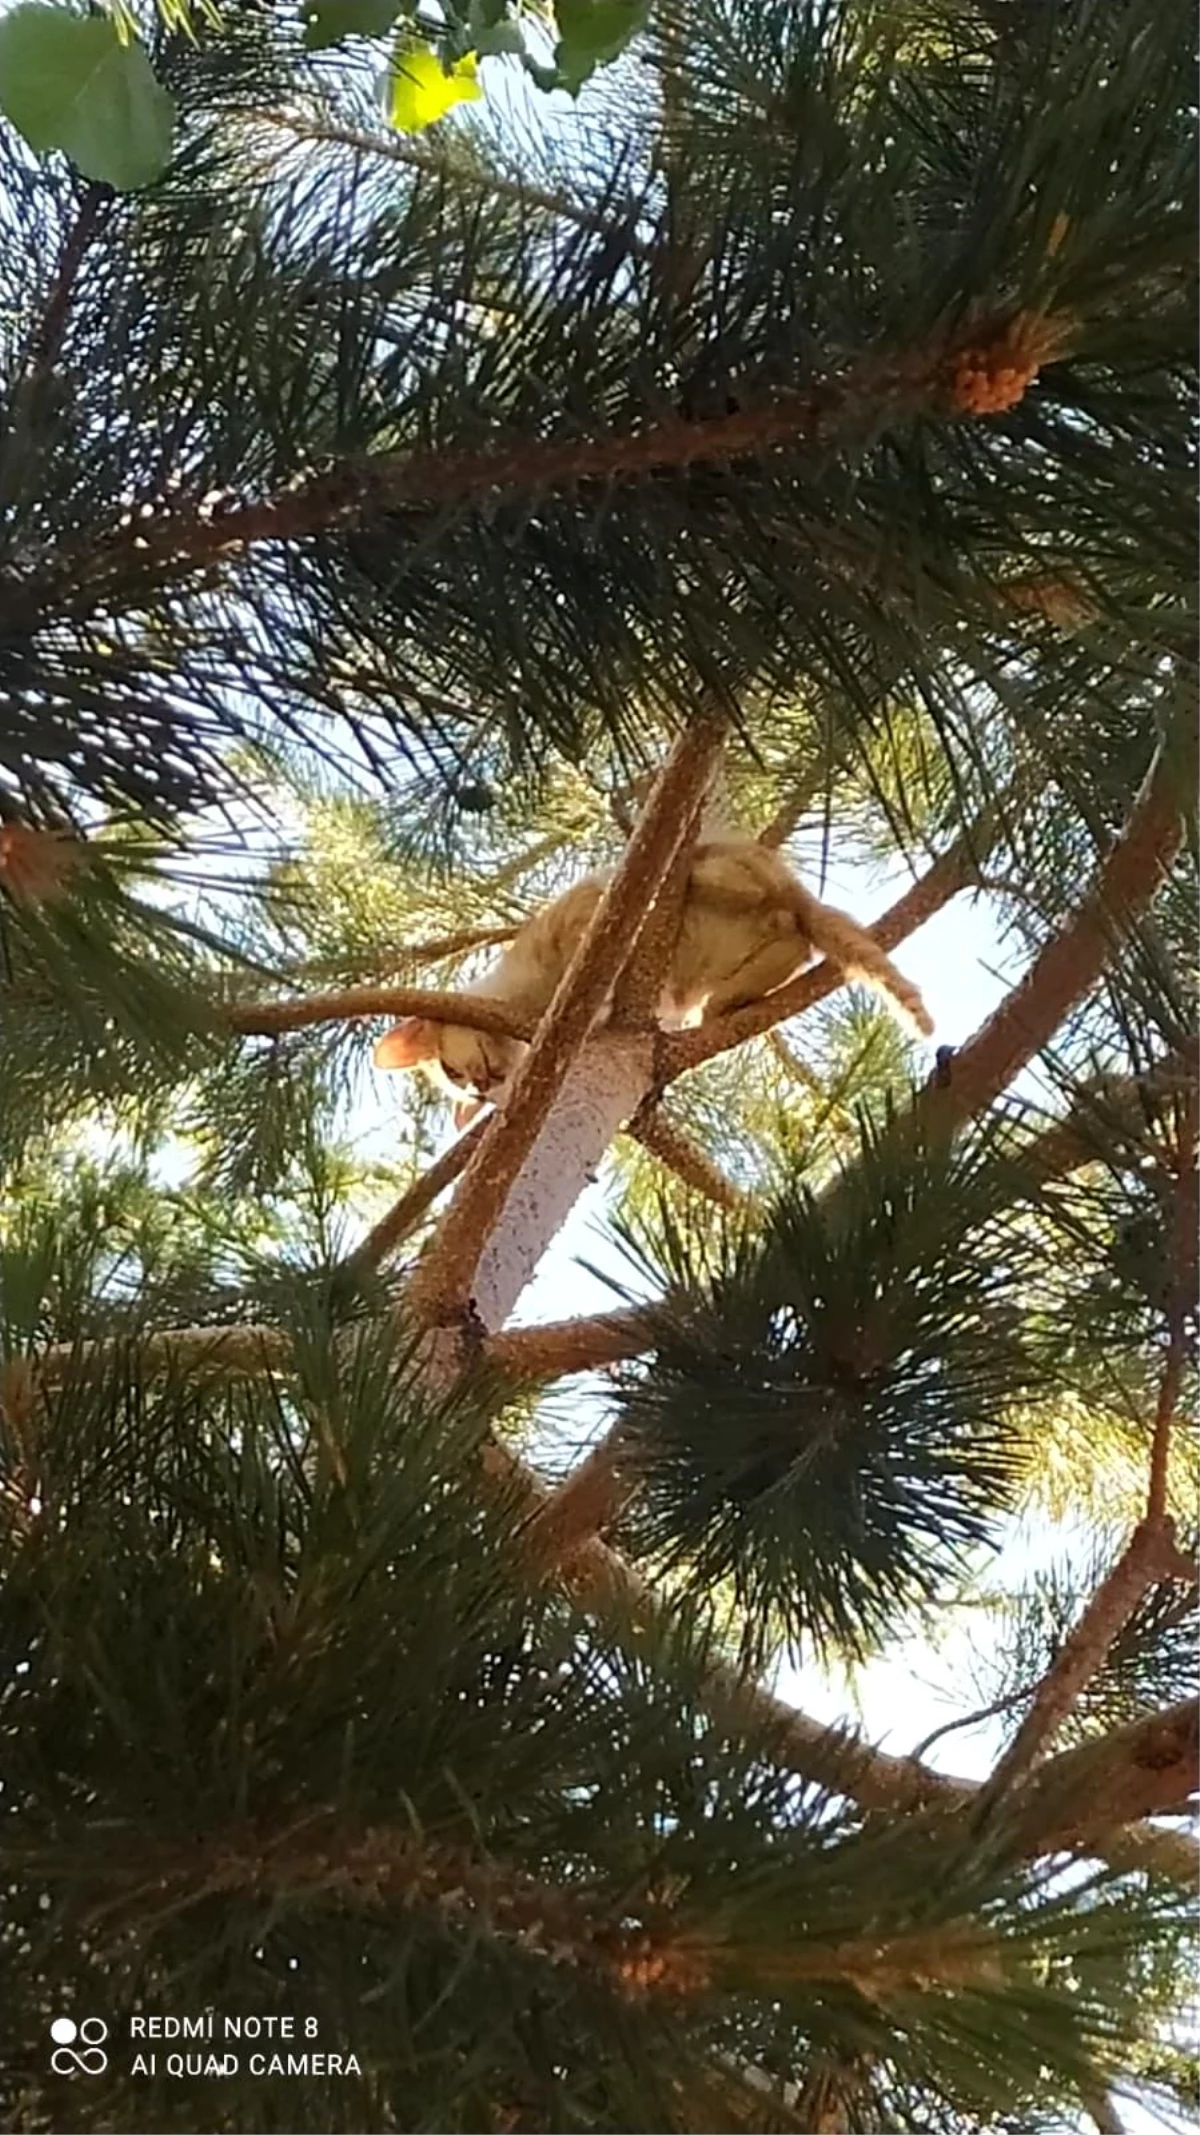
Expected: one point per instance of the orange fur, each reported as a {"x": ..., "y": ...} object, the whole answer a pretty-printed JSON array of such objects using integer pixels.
[{"x": 747, "y": 927}]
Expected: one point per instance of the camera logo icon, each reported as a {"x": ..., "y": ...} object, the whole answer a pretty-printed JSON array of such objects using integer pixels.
[{"x": 87, "y": 2058}]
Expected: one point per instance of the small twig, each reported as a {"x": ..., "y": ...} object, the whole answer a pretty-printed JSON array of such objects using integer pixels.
[
  {"x": 431, "y": 164},
  {"x": 405, "y": 1214},
  {"x": 380, "y": 967},
  {"x": 1102, "y": 2113},
  {"x": 972, "y": 1719},
  {"x": 798, "y": 1069},
  {"x": 789, "y": 813},
  {"x": 658, "y": 1133}
]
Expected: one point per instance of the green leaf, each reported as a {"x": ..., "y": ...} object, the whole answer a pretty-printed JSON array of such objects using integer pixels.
[
  {"x": 327, "y": 22},
  {"x": 593, "y": 32},
  {"x": 69, "y": 82},
  {"x": 420, "y": 90}
]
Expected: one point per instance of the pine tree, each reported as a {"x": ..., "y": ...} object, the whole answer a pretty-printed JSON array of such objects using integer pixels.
[{"x": 795, "y": 429}]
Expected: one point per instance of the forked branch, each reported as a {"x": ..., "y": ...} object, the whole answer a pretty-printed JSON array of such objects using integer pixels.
[{"x": 442, "y": 1285}]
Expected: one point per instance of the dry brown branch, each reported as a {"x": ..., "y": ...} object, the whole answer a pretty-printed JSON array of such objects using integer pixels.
[
  {"x": 557, "y": 1348},
  {"x": 1085, "y": 1134},
  {"x": 380, "y": 966},
  {"x": 1092, "y": 1799},
  {"x": 1102, "y": 2113},
  {"x": 601, "y": 1486},
  {"x": 807, "y": 786},
  {"x": 1152, "y": 1553},
  {"x": 1069, "y": 966},
  {"x": 1078, "y": 1801},
  {"x": 189, "y": 536},
  {"x": 553, "y": 1350},
  {"x": 799, "y": 1070},
  {"x": 405, "y": 1213},
  {"x": 658, "y": 1133},
  {"x": 242, "y": 1350},
  {"x": 442, "y": 1283},
  {"x": 582, "y": 1506},
  {"x": 639, "y": 988},
  {"x": 266, "y": 1019}
]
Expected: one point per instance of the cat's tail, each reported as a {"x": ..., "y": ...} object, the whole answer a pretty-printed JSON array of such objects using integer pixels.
[{"x": 859, "y": 955}]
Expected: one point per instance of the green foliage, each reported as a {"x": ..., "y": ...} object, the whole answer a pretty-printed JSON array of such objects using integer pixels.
[
  {"x": 517, "y": 624},
  {"x": 826, "y": 1419},
  {"x": 280, "y": 1728},
  {"x": 300, "y": 510},
  {"x": 73, "y": 82},
  {"x": 1151, "y": 1664}
]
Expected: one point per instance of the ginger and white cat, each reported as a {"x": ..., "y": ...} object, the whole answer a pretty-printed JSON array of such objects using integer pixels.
[{"x": 747, "y": 927}]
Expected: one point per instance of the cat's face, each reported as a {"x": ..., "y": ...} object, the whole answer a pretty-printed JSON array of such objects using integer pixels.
[{"x": 472, "y": 1066}]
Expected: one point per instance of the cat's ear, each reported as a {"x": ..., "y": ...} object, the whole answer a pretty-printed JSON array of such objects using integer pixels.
[
  {"x": 406, "y": 1044},
  {"x": 469, "y": 1109}
]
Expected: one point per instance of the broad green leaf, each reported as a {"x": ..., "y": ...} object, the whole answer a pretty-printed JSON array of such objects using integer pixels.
[
  {"x": 421, "y": 92},
  {"x": 327, "y": 22},
  {"x": 592, "y": 32},
  {"x": 69, "y": 82}
]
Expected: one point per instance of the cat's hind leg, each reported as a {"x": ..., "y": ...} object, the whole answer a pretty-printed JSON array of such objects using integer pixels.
[{"x": 772, "y": 964}]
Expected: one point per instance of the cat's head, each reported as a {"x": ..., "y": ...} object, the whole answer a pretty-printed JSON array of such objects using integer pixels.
[{"x": 471, "y": 1066}]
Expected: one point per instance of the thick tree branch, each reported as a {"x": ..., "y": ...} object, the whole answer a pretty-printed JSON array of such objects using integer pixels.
[
  {"x": 266, "y": 1019},
  {"x": 1151, "y": 1555},
  {"x": 1069, "y": 966},
  {"x": 553, "y": 1349},
  {"x": 1076, "y": 1802},
  {"x": 557, "y": 1348},
  {"x": 1086, "y": 1798},
  {"x": 185, "y": 538},
  {"x": 442, "y": 1284}
]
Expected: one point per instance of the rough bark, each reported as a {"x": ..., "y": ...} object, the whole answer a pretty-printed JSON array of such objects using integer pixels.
[{"x": 600, "y": 1098}]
